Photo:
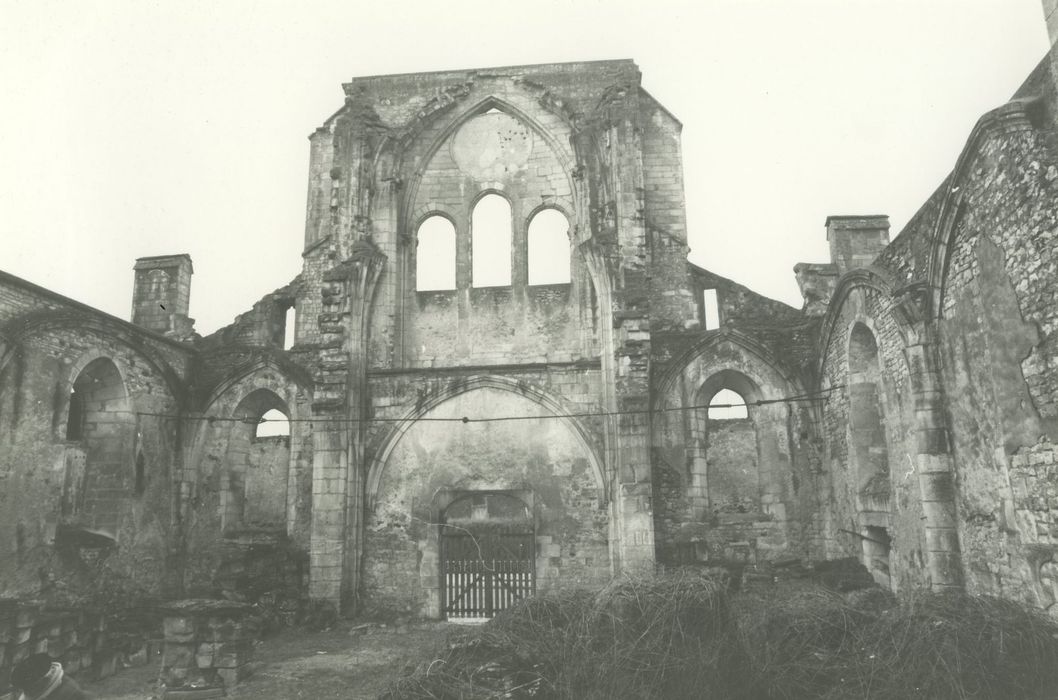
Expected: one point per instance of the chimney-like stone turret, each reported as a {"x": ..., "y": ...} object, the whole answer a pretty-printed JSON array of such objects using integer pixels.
[
  {"x": 162, "y": 294},
  {"x": 855, "y": 241}
]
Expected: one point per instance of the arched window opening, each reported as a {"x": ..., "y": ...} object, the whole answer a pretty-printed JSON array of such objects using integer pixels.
[
  {"x": 290, "y": 328},
  {"x": 75, "y": 418},
  {"x": 726, "y": 447},
  {"x": 868, "y": 450},
  {"x": 435, "y": 255},
  {"x": 99, "y": 472},
  {"x": 254, "y": 476},
  {"x": 548, "y": 241},
  {"x": 273, "y": 423},
  {"x": 727, "y": 405},
  {"x": 490, "y": 228}
]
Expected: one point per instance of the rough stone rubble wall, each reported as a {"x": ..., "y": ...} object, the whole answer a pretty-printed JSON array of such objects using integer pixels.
[{"x": 987, "y": 245}]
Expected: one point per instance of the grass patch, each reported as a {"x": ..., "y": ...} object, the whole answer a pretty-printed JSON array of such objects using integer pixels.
[{"x": 683, "y": 635}]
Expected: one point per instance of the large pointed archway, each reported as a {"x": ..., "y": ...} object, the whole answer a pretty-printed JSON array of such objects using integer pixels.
[{"x": 437, "y": 468}]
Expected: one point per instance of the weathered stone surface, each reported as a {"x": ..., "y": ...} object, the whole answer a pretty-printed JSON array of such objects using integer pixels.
[{"x": 905, "y": 417}]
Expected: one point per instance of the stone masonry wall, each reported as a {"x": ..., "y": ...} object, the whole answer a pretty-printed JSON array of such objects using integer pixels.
[
  {"x": 1000, "y": 360},
  {"x": 247, "y": 487},
  {"x": 846, "y": 508},
  {"x": 43, "y": 473},
  {"x": 986, "y": 244},
  {"x": 540, "y": 455},
  {"x": 728, "y": 490}
]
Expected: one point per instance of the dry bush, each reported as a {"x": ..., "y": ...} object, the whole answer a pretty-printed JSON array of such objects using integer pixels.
[
  {"x": 817, "y": 644},
  {"x": 799, "y": 644},
  {"x": 955, "y": 647},
  {"x": 651, "y": 637},
  {"x": 679, "y": 635},
  {"x": 669, "y": 636}
]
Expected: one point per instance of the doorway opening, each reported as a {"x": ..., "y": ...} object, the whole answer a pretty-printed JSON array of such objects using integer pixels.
[{"x": 488, "y": 554}]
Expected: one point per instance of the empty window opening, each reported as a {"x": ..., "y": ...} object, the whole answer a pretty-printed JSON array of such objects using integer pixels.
[
  {"x": 435, "y": 255},
  {"x": 290, "y": 324},
  {"x": 727, "y": 405},
  {"x": 256, "y": 464},
  {"x": 868, "y": 449},
  {"x": 100, "y": 474},
  {"x": 710, "y": 309},
  {"x": 490, "y": 228},
  {"x": 141, "y": 474},
  {"x": 75, "y": 419},
  {"x": 548, "y": 239},
  {"x": 274, "y": 423}
]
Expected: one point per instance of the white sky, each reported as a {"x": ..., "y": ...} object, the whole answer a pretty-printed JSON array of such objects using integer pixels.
[{"x": 146, "y": 128}]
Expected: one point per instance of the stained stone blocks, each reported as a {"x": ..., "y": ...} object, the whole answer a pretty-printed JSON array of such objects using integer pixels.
[{"x": 208, "y": 644}]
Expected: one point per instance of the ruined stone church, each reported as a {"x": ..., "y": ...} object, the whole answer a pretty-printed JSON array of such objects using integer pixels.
[{"x": 498, "y": 373}]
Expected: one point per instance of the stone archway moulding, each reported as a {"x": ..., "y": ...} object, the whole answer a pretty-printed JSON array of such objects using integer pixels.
[{"x": 389, "y": 440}]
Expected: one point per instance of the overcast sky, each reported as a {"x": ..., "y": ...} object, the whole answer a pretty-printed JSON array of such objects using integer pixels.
[{"x": 146, "y": 128}]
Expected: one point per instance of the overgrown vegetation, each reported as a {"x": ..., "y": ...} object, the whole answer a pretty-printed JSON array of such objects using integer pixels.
[{"x": 683, "y": 635}]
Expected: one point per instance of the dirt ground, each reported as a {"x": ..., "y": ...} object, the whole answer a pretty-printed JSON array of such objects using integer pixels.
[{"x": 349, "y": 661}]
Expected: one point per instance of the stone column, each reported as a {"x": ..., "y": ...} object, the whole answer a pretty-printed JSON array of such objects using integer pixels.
[
  {"x": 933, "y": 460},
  {"x": 338, "y": 476},
  {"x": 631, "y": 328},
  {"x": 329, "y": 463},
  {"x": 364, "y": 270},
  {"x": 935, "y": 469}
]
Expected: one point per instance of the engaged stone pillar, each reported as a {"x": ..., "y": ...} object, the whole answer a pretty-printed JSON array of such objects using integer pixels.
[
  {"x": 936, "y": 475},
  {"x": 934, "y": 465},
  {"x": 636, "y": 522},
  {"x": 208, "y": 645}
]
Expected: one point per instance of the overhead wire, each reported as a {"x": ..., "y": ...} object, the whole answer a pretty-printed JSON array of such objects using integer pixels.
[{"x": 813, "y": 396}]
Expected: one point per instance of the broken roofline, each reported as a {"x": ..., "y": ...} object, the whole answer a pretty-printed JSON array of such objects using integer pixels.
[
  {"x": 565, "y": 65},
  {"x": 8, "y": 278},
  {"x": 568, "y": 66}
]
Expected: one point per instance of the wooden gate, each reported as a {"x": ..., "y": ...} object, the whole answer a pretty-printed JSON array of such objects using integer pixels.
[{"x": 484, "y": 571}]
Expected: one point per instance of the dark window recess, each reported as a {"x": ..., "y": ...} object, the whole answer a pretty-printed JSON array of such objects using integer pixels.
[
  {"x": 75, "y": 420},
  {"x": 141, "y": 474}
]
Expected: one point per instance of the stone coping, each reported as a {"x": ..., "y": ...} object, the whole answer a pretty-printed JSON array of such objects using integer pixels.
[{"x": 204, "y": 606}]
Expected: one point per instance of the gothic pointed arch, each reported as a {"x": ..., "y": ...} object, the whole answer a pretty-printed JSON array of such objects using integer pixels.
[
  {"x": 412, "y": 180},
  {"x": 1015, "y": 116},
  {"x": 383, "y": 445}
]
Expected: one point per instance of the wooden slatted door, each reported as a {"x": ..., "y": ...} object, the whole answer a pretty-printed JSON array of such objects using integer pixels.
[{"x": 485, "y": 571}]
